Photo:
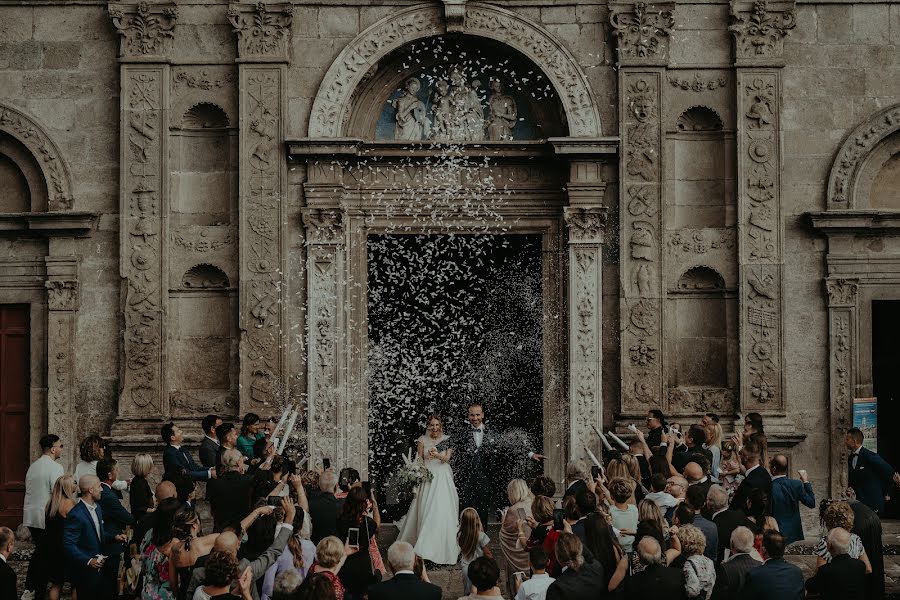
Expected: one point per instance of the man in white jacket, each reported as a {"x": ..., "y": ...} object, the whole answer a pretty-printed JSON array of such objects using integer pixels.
[{"x": 39, "y": 481}]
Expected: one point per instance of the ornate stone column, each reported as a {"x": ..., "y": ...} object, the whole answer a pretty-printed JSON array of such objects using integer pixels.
[
  {"x": 643, "y": 33},
  {"x": 263, "y": 35},
  {"x": 62, "y": 305},
  {"x": 759, "y": 29},
  {"x": 842, "y": 361},
  {"x": 586, "y": 223},
  {"x": 146, "y": 32}
]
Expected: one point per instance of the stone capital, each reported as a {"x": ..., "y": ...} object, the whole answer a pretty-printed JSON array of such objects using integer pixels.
[
  {"x": 643, "y": 31},
  {"x": 62, "y": 294},
  {"x": 263, "y": 31},
  {"x": 841, "y": 291},
  {"x": 759, "y": 29},
  {"x": 586, "y": 223},
  {"x": 323, "y": 225},
  {"x": 455, "y": 15},
  {"x": 145, "y": 30}
]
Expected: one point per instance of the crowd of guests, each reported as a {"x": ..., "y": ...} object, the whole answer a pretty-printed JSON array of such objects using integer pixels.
[{"x": 680, "y": 514}]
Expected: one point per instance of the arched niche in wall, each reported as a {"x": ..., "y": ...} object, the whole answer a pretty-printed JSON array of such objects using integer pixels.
[
  {"x": 456, "y": 88},
  {"x": 22, "y": 186},
  {"x": 700, "y": 183},
  {"x": 878, "y": 182}
]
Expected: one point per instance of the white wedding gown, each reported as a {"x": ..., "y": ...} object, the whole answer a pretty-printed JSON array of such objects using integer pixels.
[{"x": 433, "y": 518}]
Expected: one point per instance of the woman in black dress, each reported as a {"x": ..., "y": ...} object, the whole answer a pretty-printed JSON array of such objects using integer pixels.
[
  {"x": 141, "y": 496},
  {"x": 62, "y": 499},
  {"x": 357, "y": 574}
]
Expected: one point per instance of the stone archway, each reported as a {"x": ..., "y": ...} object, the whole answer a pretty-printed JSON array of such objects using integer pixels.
[{"x": 331, "y": 106}]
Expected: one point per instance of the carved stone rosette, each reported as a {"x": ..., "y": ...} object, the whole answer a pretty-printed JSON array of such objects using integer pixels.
[
  {"x": 144, "y": 196},
  {"x": 643, "y": 32},
  {"x": 759, "y": 29},
  {"x": 586, "y": 227},
  {"x": 640, "y": 222},
  {"x": 842, "y": 350},
  {"x": 325, "y": 266},
  {"x": 145, "y": 30},
  {"x": 263, "y": 31}
]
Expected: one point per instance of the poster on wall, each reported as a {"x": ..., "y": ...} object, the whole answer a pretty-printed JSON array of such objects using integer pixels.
[{"x": 865, "y": 418}]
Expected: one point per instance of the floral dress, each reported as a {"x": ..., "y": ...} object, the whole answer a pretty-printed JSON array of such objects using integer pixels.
[{"x": 157, "y": 579}]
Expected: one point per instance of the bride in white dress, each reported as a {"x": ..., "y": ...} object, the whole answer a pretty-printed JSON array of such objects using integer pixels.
[{"x": 435, "y": 508}]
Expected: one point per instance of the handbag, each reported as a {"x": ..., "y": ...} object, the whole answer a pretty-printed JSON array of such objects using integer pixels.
[{"x": 702, "y": 594}]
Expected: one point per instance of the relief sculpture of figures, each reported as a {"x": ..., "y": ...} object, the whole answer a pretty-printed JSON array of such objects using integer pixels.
[
  {"x": 440, "y": 108},
  {"x": 503, "y": 113},
  {"x": 466, "y": 113},
  {"x": 411, "y": 122}
]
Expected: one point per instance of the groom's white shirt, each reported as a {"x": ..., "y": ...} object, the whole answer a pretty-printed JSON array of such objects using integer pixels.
[{"x": 478, "y": 433}]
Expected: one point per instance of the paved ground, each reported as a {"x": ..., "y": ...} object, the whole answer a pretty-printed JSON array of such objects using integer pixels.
[{"x": 450, "y": 578}]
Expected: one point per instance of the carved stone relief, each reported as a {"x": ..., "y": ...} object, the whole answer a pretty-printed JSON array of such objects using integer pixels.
[
  {"x": 640, "y": 228},
  {"x": 759, "y": 29},
  {"x": 145, "y": 30},
  {"x": 62, "y": 294},
  {"x": 643, "y": 32},
  {"x": 332, "y": 102},
  {"x": 263, "y": 30},
  {"x": 842, "y": 292},
  {"x": 701, "y": 400},
  {"x": 32, "y": 136},
  {"x": 62, "y": 302},
  {"x": 698, "y": 83}
]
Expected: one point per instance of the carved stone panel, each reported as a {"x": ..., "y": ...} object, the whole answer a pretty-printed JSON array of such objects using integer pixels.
[
  {"x": 760, "y": 240},
  {"x": 262, "y": 205},
  {"x": 62, "y": 302},
  {"x": 145, "y": 30},
  {"x": 263, "y": 30},
  {"x": 143, "y": 201},
  {"x": 640, "y": 236},
  {"x": 643, "y": 32},
  {"x": 759, "y": 29},
  {"x": 842, "y": 367}
]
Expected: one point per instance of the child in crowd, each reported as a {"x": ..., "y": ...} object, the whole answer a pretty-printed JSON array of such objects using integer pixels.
[
  {"x": 624, "y": 514},
  {"x": 729, "y": 469},
  {"x": 473, "y": 543},
  {"x": 535, "y": 587}
]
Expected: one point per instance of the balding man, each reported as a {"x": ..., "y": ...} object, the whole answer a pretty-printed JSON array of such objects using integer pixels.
[
  {"x": 676, "y": 486},
  {"x": 696, "y": 476},
  {"x": 7, "y": 575},
  {"x": 324, "y": 507},
  {"x": 844, "y": 578},
  {"x": 787, "y": 495},
  {"x": 656, "y": 580},
  {"x": 739, "y": 562},
  {"x": 404, "y": 584},
  {"x": 229, "y": 495},
  {"x": 83, "y": 540},
  {"x": 726, "y": 519}
]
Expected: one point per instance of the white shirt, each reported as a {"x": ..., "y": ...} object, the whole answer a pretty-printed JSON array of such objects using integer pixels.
[
  {"x": 717, "y": 513},
  {"x": 855, "y": 457},
  {"x": 750, "y": 470},
  {"x": 213, "y": 440},
  {"x": 534, "y": 588},
  {"x": 478, "y": 432},
  {"x": 39, "y": 480},
  {"x": 778, "y": 477},
  {"x": 92, "y": 509},
  {"x": 90, "y": 468}
]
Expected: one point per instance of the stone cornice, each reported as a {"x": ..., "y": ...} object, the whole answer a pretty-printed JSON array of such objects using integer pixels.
[
  {"x": 48, "y": 224},
  {"x": 643, "y": 31},
  {"x": 145, "y": 30},
  {"x": 759, "y": 29},
  {"x": 263, "y": 31},
  {"x": 856, "y": 221}
]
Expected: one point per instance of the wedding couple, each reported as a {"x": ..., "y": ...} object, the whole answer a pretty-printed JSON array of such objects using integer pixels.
[{"x": 433, "y": 518}]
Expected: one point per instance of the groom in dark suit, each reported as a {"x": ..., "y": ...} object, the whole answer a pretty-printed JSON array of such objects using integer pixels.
[{"x": 476, "y": 451}]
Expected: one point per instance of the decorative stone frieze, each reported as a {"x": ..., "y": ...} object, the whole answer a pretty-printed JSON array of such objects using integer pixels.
[
  {"x": 33, "y": 136},
  {"x": 643, "y": 31},
  {"x": 62, "y": 294},
  {"x": 842, "y": 349},
  {"x": 698, "y": 83},
  {"x": 145, "y": 30},
  {"x": 759, "y": 29},
  {"x": 62, "y": 303},
  {"x": 263, "y": 31}
]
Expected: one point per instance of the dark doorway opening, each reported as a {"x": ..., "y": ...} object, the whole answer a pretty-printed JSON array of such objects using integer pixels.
[
  {"x": 15, "y": 376},
  {"x": 452, "y": 319},
  {"x": 886, "y": 383}
]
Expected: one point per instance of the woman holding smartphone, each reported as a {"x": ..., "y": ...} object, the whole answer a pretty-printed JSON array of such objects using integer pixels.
[
  {"x": 515, "y": 553},
  {"x": 357, "y": 529}
]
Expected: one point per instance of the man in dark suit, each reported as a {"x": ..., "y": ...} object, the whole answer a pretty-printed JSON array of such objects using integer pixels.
[
  {"x": 696, "y": 500},
  {"x": 696, "y": 474},
  {"x": 870, "y": 476},
  {"x": 209, "y": 446},
  {"x": 475, "y": 453},
  {"x": 83, "y": 539},
  {"x": 867, "y": 526},
  {"x": 576, "y": 474},
  {"x": 177, "y": 458},
  {"x": 844, "y": 578},
  {"x": 115, "y": 520},
  {"x": 755, "y": 476},
  {"x": 786, "y": 494},
  {"x": 227, "y": 435},
  {"x": 7, "y": 575},
  {"x": 726, "y": 519},
  {"x": 776, "y": 579},
  {"x": 404, "y": 584},
  {"x": 656, "y": 580},
  {"x": 739, "y": 562},
  {"x": 324, "y": 508},
  {"x": 229, "y": 495},
  {"x": 682, "y": 451}
]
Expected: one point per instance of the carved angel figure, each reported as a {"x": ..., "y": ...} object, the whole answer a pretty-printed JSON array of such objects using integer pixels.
[
  {"x": 440, "y": 108},
  {"x": 503, "y": 113},
  {"x": 411, "y": 121}
]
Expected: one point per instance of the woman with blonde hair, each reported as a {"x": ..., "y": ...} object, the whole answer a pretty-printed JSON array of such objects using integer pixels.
[
  {"x": 62, "y": 499},
  {"x": 473, "y": 543},
  {"x": 141, "y": 496},
  {"x": 330, "y": 557},
  {"x": 618, "y": 468},
  {"x": 699, "y": 571},
  {"x": 516, "y": 555}
]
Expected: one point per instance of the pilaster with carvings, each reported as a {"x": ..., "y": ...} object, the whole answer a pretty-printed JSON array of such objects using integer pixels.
[
  {"x": 643, "y": 31},
  {"x": 759, "y": 29},
  {"x": 263, "y": 31},
  {"x": 146, "y": 30},
  {"x": 62, "y": 305},
  {"x": 842, "y": 351}
]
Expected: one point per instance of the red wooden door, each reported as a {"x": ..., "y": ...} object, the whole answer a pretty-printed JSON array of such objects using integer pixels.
[{"x": 14, "y": 430}]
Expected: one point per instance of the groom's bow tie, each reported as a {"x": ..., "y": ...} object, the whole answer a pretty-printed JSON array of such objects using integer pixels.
[{"x": 480, "y": 428}]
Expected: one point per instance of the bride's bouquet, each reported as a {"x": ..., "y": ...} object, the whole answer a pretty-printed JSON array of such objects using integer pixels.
[{"x": 411, "y": 475}]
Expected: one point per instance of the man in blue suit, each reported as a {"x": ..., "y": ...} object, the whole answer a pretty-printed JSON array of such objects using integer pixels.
[
  {"x": 115, "y": 520},
  {"x": 776, "y": 578},
  {"x": 177, "y": 458},
  {"x": 83, "y": 540},
  {"x": 870, "y": 475},
  {"x": 786, "y": 494}
]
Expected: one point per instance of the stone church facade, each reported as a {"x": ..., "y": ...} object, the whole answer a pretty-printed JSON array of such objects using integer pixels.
[{"x": 188, "y": 187}]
